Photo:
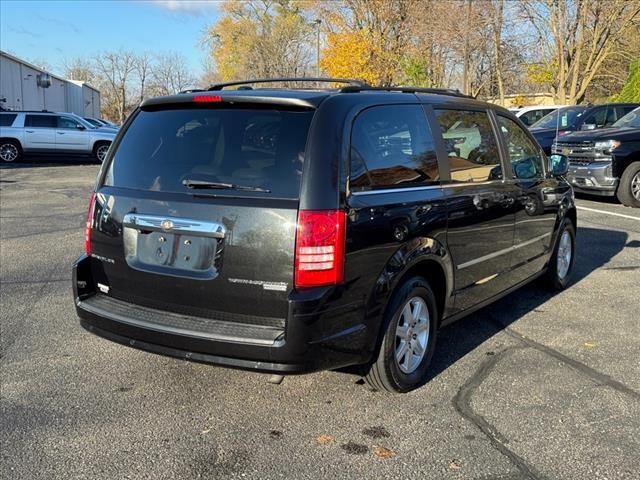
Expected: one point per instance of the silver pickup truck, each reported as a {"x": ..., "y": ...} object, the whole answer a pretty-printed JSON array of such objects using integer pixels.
[{"x": 51, "y": 133}]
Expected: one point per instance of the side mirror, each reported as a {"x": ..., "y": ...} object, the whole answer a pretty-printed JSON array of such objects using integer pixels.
[
  {"x": 559, "y": 165},
  {"x": 81, "y": 127},
  {"x": 588, "y": 126}
]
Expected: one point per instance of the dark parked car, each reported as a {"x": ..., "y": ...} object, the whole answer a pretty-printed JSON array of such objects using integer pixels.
[
  {"x": 290, "y": 231},
  {"x": 607, "y": 161},
  {"x": 580, "y": 117}
]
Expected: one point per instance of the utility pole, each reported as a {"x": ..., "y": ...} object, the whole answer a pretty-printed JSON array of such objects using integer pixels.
[{"x": 317, "y": 24}]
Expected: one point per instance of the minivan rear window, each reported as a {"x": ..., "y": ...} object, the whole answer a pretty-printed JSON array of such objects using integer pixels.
[{"x": 258, "y": 148}]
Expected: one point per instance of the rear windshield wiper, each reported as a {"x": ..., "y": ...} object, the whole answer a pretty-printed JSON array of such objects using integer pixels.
[{"x": 222, "y": 186}]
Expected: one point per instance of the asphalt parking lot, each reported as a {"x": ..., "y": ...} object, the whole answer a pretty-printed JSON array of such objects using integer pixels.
[{"x": 535, "y": 386}]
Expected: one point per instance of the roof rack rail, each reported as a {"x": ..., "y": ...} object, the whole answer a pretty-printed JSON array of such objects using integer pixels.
[
  {"x": 436, "y": 91},
  {"x": 349, "y": 81}
]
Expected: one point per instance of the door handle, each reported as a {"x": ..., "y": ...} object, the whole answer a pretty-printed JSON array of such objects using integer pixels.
[
  {"x": 29, "y": 131},
  {"x": 60, "y": 133}
]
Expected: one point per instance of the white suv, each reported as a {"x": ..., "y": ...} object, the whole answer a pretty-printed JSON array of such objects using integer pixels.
[
  {"x": 51, "y": 133},
  {"x": 530, "y": 115}
]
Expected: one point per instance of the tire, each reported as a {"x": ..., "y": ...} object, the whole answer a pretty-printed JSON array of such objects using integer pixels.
[
  {"x": 559, "y": 271},
  {"x": 409, "y": 372},
  {"x": 100, "y": 150},
  {"x": 10, "y": 150},
  {"x": 629, "y": 188}
]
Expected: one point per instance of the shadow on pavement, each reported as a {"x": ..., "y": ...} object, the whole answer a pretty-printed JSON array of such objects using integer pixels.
[
  {"x": 49, "y": 161},
  {"x": 595, "y": 247},
  {"x": 598, "y": 198}
]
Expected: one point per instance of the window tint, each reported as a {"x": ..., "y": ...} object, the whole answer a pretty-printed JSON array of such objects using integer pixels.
[
  {"x": 392, "y": 146},
  {"x": 626, "y": 109},
  {"x": 40, "y": 121},
  {"x": 67, "y": 122},
  {"x": 253, "y": 148},
  {"x": 93, "y": 122},
  {"x": 533, "y": 116},
  {"x": 601, "y": 117},
  {"x": 6, "y": 119},
  {"x": 561, "y": 118},
  {"x": 470, "y": 145},
  {"x": 525, "y": 157}
]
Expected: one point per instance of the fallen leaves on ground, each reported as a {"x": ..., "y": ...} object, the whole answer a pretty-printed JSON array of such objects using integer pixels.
[
  {"x": 382, "y": 452},
  {"x": 325, "y": 439}
]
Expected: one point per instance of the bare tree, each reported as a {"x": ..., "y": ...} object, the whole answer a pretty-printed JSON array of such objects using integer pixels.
[
  {"x": 497, "y": 25},
  {"x": 116, "y": 69},
  {"x": 170, "y": 74},
  {"x": 143, "y": 65},
  {"x": 577, "y": 37},
  {"x": 80, "y": 69}
]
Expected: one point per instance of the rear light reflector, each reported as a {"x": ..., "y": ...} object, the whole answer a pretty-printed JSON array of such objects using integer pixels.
[
  {"x": 207, "y": 98},
  {"x": 320, "y": 243},
  {"x": 89, "y": 224}
]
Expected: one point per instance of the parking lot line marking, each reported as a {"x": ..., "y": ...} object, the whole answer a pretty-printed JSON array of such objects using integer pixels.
[{"x": 608, "y": 213}]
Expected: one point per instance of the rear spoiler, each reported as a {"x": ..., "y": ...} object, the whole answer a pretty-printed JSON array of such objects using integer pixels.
[{"x": 235, "y": 97}]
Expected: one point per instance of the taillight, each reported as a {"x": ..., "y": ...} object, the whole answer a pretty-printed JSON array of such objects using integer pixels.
[
  {"x": 89, "y": 224},
  {"x": 320, "y": 242},
  {"x": 207, "y": 98}
]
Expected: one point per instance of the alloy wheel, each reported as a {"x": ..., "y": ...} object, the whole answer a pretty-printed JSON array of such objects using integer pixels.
[
  {"x": 565, "y": 251},
  {"x": 412, "y": 335},
  {"x": 8, "y": 152},
  {"x": 101, "y": 152},
  {"x": 635, "y": 186}
]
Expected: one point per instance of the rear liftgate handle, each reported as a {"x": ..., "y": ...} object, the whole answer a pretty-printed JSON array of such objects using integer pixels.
[{"x": 174, "y": 225}]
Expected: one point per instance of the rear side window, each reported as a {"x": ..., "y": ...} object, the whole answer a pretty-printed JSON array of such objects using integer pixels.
[
  {"x": 471, "y": 145},
  {"x": 6, "y": 119},
  {"x": 247, "y": 148},
  {"x": 392, "y": 146},
  {"x": 40, "y": 121}
]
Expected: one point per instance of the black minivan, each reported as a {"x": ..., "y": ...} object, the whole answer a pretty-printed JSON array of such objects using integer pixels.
[{"x": 288, "y": 230}]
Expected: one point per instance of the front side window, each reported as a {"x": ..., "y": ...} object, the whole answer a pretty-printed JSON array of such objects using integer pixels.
[
  {"x": 471, "y": 145},
  {"x": 525, "y": 157},
  {"x": 392, "y": 146},
  {"x": 67, "y": 122},
  {"x": 40, "y": 121}
]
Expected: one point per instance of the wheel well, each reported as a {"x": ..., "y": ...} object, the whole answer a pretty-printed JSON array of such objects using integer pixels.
[
  {"x": 621, "y": 167},
  {"x": 571, "y": 215},
  {"x": 433, "y": 273},
  {"x": 100, "y": 142},
  {"x": 12, "y": 140}
]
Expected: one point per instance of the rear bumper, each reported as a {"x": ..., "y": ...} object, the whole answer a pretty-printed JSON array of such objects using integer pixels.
[
  {"x": 315, "y": 337},
  {"x": 595, "y": 178}
]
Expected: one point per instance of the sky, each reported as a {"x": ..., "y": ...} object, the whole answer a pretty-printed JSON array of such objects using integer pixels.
[{"x": 55, "y": 30}]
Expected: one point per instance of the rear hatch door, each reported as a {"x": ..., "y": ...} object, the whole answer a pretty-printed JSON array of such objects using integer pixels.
[{"x": 196, "y": 211}]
